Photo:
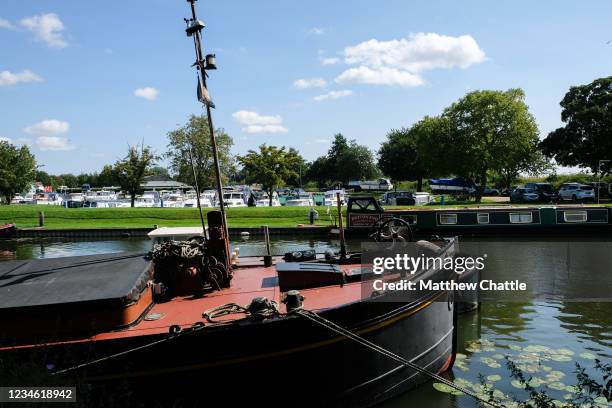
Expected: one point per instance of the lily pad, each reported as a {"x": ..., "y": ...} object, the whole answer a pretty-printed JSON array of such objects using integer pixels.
[
  {"x": 588, "y": 356},
  {"x": 446, "y": 389},
  {"x": 557, "y": 385},
  {"x": 494, "y": 365},
  {"x": 561, "y": 358},
  {"x": 494, "y": 377},
  {"x": 518, "y": 384},
  {"x": 515, "y": 347},
  {"x": 565, "y": 352},
  {"x": 460, "y": 356}
]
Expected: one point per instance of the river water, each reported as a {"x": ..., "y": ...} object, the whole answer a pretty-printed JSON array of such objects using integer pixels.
[{"x": 544, "y": 337}]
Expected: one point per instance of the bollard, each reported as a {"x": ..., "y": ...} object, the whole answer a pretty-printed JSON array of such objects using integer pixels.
[{"x": 41, "y": 219}]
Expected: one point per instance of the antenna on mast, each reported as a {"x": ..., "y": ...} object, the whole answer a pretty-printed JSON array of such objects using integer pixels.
[{"x": 202, "y": 64}]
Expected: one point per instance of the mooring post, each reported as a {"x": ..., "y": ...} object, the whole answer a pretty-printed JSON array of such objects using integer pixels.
[
  {"x": 41, "y": 219},
  {"x": 268, "y": 256},
  {"x": 341, "y": 228}
]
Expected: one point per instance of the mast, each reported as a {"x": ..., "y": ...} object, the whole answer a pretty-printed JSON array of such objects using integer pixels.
[{"x": 202, "y": 64}]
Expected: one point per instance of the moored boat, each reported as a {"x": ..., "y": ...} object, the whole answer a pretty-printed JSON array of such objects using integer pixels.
[{"x": 124, "y": 319}]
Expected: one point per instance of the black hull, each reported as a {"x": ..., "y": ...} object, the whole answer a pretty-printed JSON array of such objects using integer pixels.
[{"x": 284, "y": 359}]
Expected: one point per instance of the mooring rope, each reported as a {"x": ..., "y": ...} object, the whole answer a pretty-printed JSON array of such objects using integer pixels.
[{"x": 328, "y": 324}]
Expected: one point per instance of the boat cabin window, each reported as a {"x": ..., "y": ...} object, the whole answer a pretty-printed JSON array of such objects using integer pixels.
[
  {"x": 521, "y": 218},
  {"x": 448, "y": 219},
  {"x": 575, "y": 216},
  {"x": 483, "y": 218}
]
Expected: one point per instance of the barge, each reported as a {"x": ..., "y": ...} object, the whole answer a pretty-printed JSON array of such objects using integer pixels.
[{"x": 365, "y": 213}]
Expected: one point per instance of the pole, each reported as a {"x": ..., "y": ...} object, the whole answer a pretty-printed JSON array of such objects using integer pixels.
[
  {"x": 197, "y": 188},
  {"x": 599, "y": 163},
  {"x": 341, "y": 228},
  {"x": 197, "y": 40}
]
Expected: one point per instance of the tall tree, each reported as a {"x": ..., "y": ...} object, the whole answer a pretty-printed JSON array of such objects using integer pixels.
[
  {"x": 17, "y": 169},
  {"x": 193, "y": 139},
  {"x": 346, "y": 160},
  {"x": 108, "y": 177},
  {"x": 411, "y": 154},
  {"x": 132, "y": 169},
  {"x": 489, "y": 131},
  {"x": 586, "y": 137},
  {"x": 271, "y": 166}
]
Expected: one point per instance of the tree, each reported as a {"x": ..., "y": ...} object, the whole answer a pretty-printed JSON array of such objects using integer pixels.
[
  {"x": 44, "y": 178},
  {"x": 159, "y": 171},
  {"x": 300, "y": 168},
  {"x": 346, "y": 160},
  {"x": 194, "y": 139},
  {"x": 410, "y": 154},
  {"x": 318, "y": 171},
  {"x": 489, "y": 131},
  {"x": 17, "y": 169},
  {"x": 271, "y": 166},
  {"x": 586, "y": 137},
  {"x": 132, "y": 169},
  {"x": 108, "y": 177}
]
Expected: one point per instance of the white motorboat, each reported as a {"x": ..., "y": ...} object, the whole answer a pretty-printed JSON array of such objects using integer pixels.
[
  {"x": 75, "y": 200},
  {"x": 173, "y": 200},
  {"x": 18, "y": 199},
  {"x": 263, "y": 200},
  {"x": 303, "y": 199},
  {"x": 49, "y": 199},
  {"x": 234, "y": 199},
  {"x": 331, "y": 197},
  {"x": 422, "y": 198},
  {"x": 101, "y": 195},
  {"x": 149, "y": 199}
]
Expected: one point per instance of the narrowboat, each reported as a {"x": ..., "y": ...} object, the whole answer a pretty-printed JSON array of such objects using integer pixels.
[
  {"x": 184, "y": 324},
  {"x": 364, "y": 213},
  {"x": 7, "y": 230}
]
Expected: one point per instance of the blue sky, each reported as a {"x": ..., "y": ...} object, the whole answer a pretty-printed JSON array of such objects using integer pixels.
[{"x": 79, "y": 81}]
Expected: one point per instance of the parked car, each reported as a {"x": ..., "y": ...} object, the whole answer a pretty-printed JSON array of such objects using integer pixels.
[
  {"x": 577, "y": 192},
  {"x": 545, "y": 191},
  {"x": 490, "y": 191},
  {"x": 523, "y": 195},
  {"x": 602, "y": 188}
]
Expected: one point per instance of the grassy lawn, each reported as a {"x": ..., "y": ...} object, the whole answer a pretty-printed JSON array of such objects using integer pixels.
[{"x": 58, "y": 217}]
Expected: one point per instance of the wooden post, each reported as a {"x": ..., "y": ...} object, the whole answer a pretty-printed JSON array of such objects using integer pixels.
[
  {"x": 268, "y": 256},
  {"x": 341, "y": 228},
  {"x": 41, "y": 219}
]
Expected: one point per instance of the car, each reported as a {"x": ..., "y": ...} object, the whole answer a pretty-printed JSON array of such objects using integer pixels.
[
  {"x": 491, "y": 191},
  {"x": 523, "y": 195},
  {"x": 577, "y": 192},
  {"x": 545, "y": 191}
]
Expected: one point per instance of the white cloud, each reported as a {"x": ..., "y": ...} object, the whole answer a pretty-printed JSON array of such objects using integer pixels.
[
  {"x": 322, "y": 141},
  {"x": 400, "y": 62},
  {"x": 310, "y": 83},
  {"x": 6, "y": 139},
  {"x": 330, "y": 61},
  {"x": 333, "y": 95},
  {"x": 256, "y": 123},
  {"x": 54, "y": 143},
  {"x": 48, "y": 127},
  {"x": 6, "y": 24},
  {"x": 316, "y": 31},
  {"x": 148, "y": 93},
  {"x": 8, "y": 78},
  {"x": 379, "y": 76},
  {"x": 47, "y": 28}
]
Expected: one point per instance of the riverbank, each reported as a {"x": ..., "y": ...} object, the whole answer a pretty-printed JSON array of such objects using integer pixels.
[
  {"x": 55, "y": 218},
  {"x": 27, "y": 216}
]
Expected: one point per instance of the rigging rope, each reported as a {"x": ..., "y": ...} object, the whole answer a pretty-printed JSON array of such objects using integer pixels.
[{"x": 328, "y": 324}]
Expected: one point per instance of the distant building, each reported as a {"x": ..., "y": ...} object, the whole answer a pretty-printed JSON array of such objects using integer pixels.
[{"x": 163, "y": 183}]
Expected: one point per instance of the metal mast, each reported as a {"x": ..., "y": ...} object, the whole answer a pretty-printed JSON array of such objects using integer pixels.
[{"x": 202, "y": 64}]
